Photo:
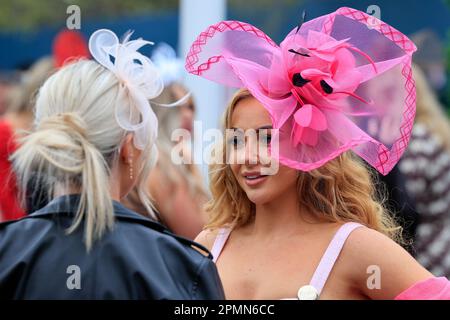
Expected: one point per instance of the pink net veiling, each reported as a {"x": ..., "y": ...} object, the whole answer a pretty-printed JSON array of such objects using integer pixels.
[{"x": 342, "y": 81}]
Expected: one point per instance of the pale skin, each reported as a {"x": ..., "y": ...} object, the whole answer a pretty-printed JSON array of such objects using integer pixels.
[
  {"x": 129, "y": 156},
  {"x": 182, "y": 213},
  {"x": 277, "y": 253},
  {"x": 19, "y": 120},
  {"x": 180, "y": 209}
]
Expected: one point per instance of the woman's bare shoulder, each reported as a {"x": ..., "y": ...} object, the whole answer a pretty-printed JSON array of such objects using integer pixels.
[
  {"x": 368, "y": 252},
  {"x": 370, "y": 244},
  {"x": 207, "y": 237}
]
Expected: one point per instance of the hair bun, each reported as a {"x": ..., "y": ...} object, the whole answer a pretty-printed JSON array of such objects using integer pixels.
[{"x": 69, "y": 122}]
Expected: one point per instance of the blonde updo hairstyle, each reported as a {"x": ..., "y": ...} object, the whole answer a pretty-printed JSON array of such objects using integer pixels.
[{"x": 76, "y": 141}]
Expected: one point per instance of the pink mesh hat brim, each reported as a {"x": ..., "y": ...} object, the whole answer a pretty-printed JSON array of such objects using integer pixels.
[{"x": 340, "y": 82}]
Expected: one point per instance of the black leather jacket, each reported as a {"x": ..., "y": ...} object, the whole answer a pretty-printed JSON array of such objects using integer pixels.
[{"x": 138, "y": 259}]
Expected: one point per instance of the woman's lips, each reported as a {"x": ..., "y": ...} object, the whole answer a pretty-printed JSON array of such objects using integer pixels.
[{"x": 253, "y": 180}]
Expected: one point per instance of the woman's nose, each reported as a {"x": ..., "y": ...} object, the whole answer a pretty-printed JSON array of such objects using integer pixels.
[{"x": 251, "y": 149}]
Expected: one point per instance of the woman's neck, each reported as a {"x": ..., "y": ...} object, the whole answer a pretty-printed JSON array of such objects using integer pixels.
[
  {"x": 62, "y": 191},
  {"x": 282, "y": 216}
]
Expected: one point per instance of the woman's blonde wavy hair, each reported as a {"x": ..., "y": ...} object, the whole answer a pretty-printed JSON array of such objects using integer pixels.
[{"x": 343, "y": 190}]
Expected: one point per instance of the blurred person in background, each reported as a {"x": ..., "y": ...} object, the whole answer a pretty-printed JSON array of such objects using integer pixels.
[
  {"x": 431, "y": 59},
  {"x": 68, "y": 45},
  {"x": 177, "y": 189},
  {"x": 18, "y": 119},
  {"x": 6, "y": 84},
  {"x": 426, "y": 167}
]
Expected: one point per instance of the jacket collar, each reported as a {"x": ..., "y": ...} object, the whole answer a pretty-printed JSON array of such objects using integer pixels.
[{"x": 68, "y": 204}]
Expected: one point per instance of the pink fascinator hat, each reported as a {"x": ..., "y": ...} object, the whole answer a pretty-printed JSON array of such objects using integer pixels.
[{"x": 340, "y": 82}]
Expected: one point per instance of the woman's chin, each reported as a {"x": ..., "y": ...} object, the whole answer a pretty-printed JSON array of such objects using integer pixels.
[{"x": 258, "y": 197}]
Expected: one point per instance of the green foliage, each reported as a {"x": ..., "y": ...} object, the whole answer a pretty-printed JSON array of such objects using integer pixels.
[
  {"x": 252, "y": 4},
  {"x": 27, "y": 15}
]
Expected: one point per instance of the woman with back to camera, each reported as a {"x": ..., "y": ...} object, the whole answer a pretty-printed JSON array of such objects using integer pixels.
[
  {"x": 314, "y": 228},
  {"x": 94, "y": 140}
]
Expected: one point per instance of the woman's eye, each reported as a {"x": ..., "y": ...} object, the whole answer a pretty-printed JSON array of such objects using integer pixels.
[{"x": 235, "y": 141}]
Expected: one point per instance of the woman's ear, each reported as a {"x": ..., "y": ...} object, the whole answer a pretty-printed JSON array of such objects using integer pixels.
[
  {"x": 128, "y": 152},
  {"x": 127, "y": 149},
  {"x": 128, "y": 166}
]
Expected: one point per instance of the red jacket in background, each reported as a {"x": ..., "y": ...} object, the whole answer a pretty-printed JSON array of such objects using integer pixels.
[{"x": 10, "y": 208}]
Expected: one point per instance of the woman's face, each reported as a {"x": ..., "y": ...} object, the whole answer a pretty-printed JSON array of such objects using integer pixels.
[
  {"x": 186, "y": 111},
  {"x": 260, "y": 187},
  {"x": 187, "y": 117}
]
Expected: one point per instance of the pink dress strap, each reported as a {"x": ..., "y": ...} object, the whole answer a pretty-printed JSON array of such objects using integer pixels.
[
  {"x": 219, "y": 242},
  {"x": 331, "y": 254}
]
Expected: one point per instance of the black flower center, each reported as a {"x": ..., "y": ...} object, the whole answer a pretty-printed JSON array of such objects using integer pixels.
[
  {"x": 326, "y": 87},
  {"x": 299, "y": 81}
]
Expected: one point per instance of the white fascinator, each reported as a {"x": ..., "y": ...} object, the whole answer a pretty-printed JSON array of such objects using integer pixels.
[{"x": 140, "y": 76}]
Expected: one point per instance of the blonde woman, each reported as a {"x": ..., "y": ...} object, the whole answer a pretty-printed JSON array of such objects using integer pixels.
[
  {"x": 314, "y": 227},
  {"x": 273, "y": 235},
  {"x": 93, "y": 141}
]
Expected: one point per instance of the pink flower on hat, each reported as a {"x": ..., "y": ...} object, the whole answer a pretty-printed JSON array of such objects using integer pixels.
[{"x": 320, "y": 70}]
